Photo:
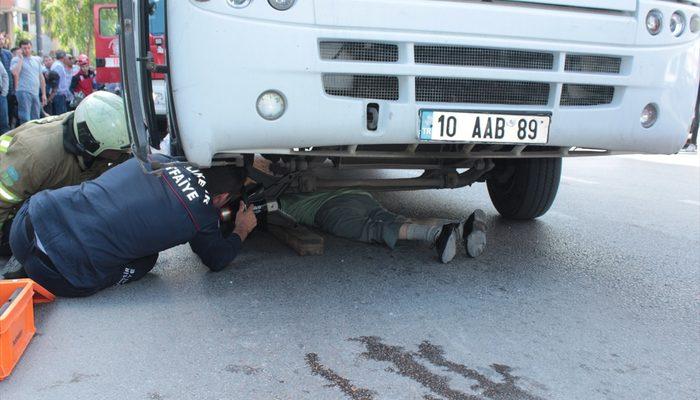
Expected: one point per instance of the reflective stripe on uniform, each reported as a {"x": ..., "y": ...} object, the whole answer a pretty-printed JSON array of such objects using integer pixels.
[
  {"x": 5, "y": 141},
  {"x": 8, "y": 196}
]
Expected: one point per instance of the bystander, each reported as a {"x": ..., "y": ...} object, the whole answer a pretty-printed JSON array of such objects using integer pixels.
[
  {"x": 61, "y": 97},
  {"x": 5, "y": 59},
  {"x": 26, "y": 70}
]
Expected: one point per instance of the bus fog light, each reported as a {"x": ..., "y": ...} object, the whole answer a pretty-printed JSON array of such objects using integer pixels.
[
  {"x": 238, "y": 3},
  {"x": 695, "y": 23},
  {"x": 677, "y": 24},
  {"x": 655, "y": 21},
  {"x": 271, "y": 105},
  {"x": 649, "y": 115},
  {"x": 281, "y": 5}
]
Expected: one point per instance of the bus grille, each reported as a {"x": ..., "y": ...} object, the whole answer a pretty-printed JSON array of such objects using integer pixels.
[
  {"x": 592, "y": 64},
  {"x": 454, "y": 90},
  {"x": 483, "y": 57},
  {"x": 587, "y": 95},
  {"x": 378, "y": 87},
  {"x": 359, "y": 51}
]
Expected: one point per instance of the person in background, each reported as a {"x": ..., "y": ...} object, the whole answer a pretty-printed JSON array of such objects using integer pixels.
[
  {"x": 84, "y": 82},
  {"x": 61, "y": 97},
  {"x": 6, "y": 59},
  {"x": 71, "y": 66},
  {"x": 26, "y": 70},
  {"x": 46, "y": 65},
  {"x": 691, "y": 145},
  {"x": 52, "y": 80},
  {"x": 4, "y": 89},
  {"x": 12, "y": 105}
]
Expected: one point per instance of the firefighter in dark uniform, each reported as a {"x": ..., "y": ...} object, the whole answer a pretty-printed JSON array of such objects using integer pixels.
[
  {"x": 59, "y": 151},
  {"x": 78, "y": 240}
]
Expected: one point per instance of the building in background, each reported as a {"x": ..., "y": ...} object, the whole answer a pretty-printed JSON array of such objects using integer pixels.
[{"x": 19, "y": 15}]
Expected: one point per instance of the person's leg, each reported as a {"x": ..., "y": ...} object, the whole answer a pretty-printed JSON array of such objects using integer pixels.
[
  {"x": 359, "y": 217},
  {"x": 5, "y": 250},
  {"x": 4, "y": 116},
  {"x": 12, "y": 110},
  {"x": 36, "y": 107},
  {"x": 24, "y": 104},
  {"x": 134, "y": 270},
  {"x": 59, "y": 104}
]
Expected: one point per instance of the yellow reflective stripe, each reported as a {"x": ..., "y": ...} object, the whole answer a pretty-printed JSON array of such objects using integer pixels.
[
  {"x": 7, "y": 195},
  {"x": 5, "y": 143}
]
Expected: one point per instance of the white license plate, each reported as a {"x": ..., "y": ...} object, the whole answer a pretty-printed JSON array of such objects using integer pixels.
[{"x": 479, "y": 127}]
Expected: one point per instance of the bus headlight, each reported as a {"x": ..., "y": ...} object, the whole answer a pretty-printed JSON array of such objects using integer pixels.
[
  {"x": 695, "y": 23},
  {"x": 271, "y": 105},
  {"x": 650, "y": 115},
  {"x": 655, "y": 22},
  {"x": 677, "y": 24},
  {"x": 282, "y": 5},
  {"x": 238, "y": 3}
]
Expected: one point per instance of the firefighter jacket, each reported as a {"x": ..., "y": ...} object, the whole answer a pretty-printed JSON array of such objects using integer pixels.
[
  {"x": 40, "y": 155},
  {"x": 92, "y": 230}
]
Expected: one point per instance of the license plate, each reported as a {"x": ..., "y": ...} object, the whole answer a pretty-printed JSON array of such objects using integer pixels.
[{"x": 479, "y": 127}]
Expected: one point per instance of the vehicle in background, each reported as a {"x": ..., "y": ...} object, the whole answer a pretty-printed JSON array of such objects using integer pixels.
[
  {"x": 106, "y": 27},
  {"x": 465, "y": 91}
]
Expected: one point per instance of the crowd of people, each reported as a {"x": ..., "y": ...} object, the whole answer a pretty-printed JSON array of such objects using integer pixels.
[{"x": 32, "y": 87}]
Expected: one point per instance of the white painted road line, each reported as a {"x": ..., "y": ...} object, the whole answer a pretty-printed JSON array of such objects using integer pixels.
[
  {"x": 579, "y": 180},
  {"x": 685, "y": 159},
  {"x": 691, "y": 202}
]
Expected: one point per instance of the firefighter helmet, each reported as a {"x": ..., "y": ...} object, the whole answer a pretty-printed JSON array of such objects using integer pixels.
[{"x": 99, "y": 123}]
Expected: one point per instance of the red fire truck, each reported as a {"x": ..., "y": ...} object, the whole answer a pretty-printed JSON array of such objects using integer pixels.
[{"x": 106, "y": 26}]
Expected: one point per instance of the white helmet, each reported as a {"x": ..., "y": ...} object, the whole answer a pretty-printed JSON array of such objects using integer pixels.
[{"x": 99, "y": 123}]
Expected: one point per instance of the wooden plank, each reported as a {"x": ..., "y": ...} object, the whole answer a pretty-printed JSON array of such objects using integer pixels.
[{"x": 301, "y": 239}]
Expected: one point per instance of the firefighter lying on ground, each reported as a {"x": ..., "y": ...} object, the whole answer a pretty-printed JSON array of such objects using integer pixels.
[
  {"x": 59, "y": 151},
  {"x": 77, "y": 240},
  {"x": 355, "y": 214}
]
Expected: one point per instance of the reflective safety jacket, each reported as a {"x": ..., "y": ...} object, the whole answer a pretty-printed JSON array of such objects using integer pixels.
[{"x": 33, "y": 157}]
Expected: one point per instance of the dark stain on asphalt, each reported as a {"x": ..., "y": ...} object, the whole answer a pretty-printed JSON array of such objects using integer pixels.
[
  {"x": 336, "y": 380},
  {"x": 405, "y": 364},
  {"x": 412, "y": 365},
  {"x": 242, "y": 369},
  {"x": 508, "y": 389}
]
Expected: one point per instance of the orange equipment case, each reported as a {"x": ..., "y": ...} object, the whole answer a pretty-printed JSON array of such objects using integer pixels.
[{"x": 17, "y": 321}]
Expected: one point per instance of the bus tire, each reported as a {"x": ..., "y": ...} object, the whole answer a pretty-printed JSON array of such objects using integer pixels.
[{"x": 524, "y": 188}]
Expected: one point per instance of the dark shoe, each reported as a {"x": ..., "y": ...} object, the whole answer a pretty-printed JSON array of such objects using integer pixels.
[
  {"x": 446, "y": 243},
  {"x": 474, "y": 234},
  {"x": 12, "y": 270}
]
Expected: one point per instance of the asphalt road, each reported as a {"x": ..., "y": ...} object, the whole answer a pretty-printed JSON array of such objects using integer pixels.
[{"x": 596, "y": 300}]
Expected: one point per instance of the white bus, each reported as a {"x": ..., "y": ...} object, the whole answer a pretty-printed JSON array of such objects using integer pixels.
[{"x": 466, "y": 90}]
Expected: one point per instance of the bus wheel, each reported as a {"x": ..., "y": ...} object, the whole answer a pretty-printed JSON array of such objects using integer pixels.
[{"x": 524, "y": 188}]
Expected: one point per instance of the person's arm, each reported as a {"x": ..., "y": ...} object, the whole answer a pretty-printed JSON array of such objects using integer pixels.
[
  {"x": 4, "y": 82},
  {"x": 217, "y": 252},
  {"x": 16, "y": 67},
  {"x": 74, "y": 83},
  {"x": 42, "y": 82}
]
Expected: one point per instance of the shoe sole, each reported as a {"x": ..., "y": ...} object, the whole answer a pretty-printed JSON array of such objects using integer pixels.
[
  {"x": 474, "y": 234},
  {"x": 450, "y": 248}
]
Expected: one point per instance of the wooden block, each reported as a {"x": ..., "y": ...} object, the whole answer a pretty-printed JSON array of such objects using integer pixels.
[{"x": 301, "y": 239}]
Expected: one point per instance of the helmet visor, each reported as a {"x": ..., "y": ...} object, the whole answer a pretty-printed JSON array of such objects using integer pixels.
[{"x": 89, "y": 143}]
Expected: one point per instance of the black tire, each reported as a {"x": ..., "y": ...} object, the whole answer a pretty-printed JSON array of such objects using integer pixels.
[{"x": 524, "y": 188}]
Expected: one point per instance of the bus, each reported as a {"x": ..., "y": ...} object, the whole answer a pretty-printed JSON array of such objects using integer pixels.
[{"x": 464, "y": 91}]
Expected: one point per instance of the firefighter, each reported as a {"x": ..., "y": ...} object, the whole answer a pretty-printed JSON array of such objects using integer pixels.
[
  {"x": 59, "y": 151},
  {"x": 84, "y": 82},
  {"x": 77, "y": 240}
]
